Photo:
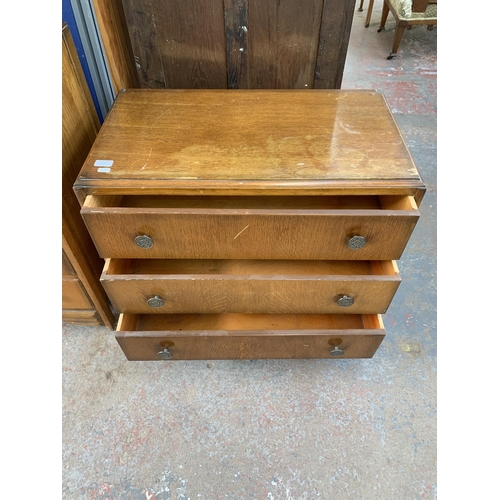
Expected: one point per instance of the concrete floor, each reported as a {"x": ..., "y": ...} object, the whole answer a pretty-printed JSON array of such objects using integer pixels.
[{"x": 294, "y": 430}]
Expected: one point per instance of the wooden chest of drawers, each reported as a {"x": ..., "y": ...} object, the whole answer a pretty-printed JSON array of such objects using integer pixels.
[{"x": 249, "y": 224}]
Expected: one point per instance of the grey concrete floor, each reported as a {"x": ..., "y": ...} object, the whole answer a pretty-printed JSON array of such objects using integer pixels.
[{"x": 279, "y": 429}]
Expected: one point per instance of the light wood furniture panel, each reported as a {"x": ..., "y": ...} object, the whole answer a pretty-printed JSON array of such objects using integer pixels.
[
  {"x": 150, "y": 286},
  {"x": 240, "y": 336},
  {"x": 249, "y": 224},
  {"x": 115, "y": 40},
  {"x": 266, "y": 232},
  {"x": 83, "y": 298}
]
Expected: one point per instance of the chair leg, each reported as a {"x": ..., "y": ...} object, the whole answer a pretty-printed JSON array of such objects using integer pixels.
[
  {"x": 430, "y": 27},
  {"x": 361, "y": 5},
  {"x": 369, "y": 13},
  {"x": 398, "y": 35},
  {"x": 385, "y": 13}
]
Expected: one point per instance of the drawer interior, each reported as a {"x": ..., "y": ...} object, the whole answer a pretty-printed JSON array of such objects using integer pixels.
[
  {"x": 215, "y": 323},
  {"x": 295, "y": 203},
  {"x": 245, "y": 267}
]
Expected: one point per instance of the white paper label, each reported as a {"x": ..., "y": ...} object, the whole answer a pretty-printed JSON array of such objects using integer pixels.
[{"x": 103, "y": 163}]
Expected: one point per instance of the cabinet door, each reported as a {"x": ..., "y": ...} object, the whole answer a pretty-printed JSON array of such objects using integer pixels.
[{"x": 239, "y": 44}]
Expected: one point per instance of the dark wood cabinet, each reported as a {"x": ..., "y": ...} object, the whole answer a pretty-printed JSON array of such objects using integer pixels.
[{"x": 239, "y": 44}]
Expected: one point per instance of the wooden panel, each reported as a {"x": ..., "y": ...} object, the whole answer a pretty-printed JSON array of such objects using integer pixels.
[
  {"x": 263, "y": 44},
  {"x": 283, "y": 41},
  {"x": 80, "y": 126},
  {"x": 248, "y": 233},
  {"x": 67, "y": 268},
  {"x": 82, "y": 317},
  {"x": 116, "y": 43},
  {"x": 333, "y": 42},
  {"x": 245, "y": 286},
  {"x": 236, "y": 336},
  {"x": 178, "y": 44},
  {"x": 144, "y": 39},
  {"x": 238, "y": 44},
  {"x": 74, "y": 296},
  {"x": 236, "y": 22},
  {"x": 299, "y": 25},
  {"x": 290, "y": 139}
]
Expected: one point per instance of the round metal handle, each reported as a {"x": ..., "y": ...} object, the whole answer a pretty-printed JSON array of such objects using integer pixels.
[
  {"x": 165, "y": 354},
  {"x": 345, "y": 301},
  {"x": 155, "y": 301},
  {"x": 356, "y": 242},
  {"x": 143, "y": 241},
  {"x": 336, "y": 352}
]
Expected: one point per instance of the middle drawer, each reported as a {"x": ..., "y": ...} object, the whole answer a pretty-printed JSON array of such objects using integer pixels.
[{"x": 250, "y": 286}]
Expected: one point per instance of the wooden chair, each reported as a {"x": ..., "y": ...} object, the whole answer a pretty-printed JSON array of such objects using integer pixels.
[
  {"x": 369, "y": 13},
  {"x": 421, "y": 12}
]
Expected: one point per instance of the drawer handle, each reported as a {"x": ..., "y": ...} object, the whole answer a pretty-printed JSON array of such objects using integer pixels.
[
  {"x": 345, "y": 301},
  {"x": 143, "y": 241},
  {"x": 336, "y": 352},
  {"x": 356, "y": 242},
  {"x": 156, "y": 301},
  {"x": 165, "y": 354}
]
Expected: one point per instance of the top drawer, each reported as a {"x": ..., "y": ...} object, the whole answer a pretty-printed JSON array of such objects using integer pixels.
[{"x": 251, "y": 227}]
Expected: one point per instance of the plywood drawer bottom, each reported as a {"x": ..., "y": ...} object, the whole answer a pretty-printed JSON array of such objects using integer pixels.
[{"x": 248, "y": 336}]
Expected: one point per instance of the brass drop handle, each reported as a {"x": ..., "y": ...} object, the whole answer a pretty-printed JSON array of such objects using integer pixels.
[
  {"x": 356, "y": 242},
  {"x": 345, "y": 301},
  {"x": 336, "y": 352},
  {"x": 165, "y": 354},
  {"x": 143, "y": 241},
  {"x": 156, "y": 302}
]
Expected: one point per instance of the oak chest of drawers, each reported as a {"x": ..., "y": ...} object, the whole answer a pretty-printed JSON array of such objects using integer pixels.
[{"x": 249, "y": 224}]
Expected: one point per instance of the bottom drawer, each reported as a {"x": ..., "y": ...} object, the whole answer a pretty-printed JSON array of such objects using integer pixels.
[{"x": 148, "y": 337}]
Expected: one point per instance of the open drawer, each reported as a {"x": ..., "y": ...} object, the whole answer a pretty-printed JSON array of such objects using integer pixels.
[
  {"x": 248, "y": 336},
  {"x": 251, "y": 227},
  {"x": 167, "y": 286}
]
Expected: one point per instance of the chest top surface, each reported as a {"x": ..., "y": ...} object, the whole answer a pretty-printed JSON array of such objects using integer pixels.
[{"x": 204, "y": 139}]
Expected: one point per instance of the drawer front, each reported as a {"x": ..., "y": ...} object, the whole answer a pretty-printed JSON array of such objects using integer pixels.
[
  {"x": 74, "y": 296},
  {"x": 250, "y": 287},
  {"x": 140, "y": 344},
  {"x": 82, "y": 317},
  {"x": 208, "y": 233}
]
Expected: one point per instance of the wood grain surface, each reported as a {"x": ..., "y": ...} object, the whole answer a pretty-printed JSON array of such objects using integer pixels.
[
  {"x": 336, "y": 24},
  {"x": 80, "y": 126},
  {"x": 245, "y": 286},
  {"x": 236, "y": 27},
  {"x": 179, "y": 44},
  {"x": 253, "y": 336},
  {"x": 74, "y": 296},
  {"x": 160, "y": 140},
  {"x": 249, "y": 233},
  {"x": 238, "y": 44},
  {"x": 115, "y": 39},
  {"x": 282, "y": 42}
]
